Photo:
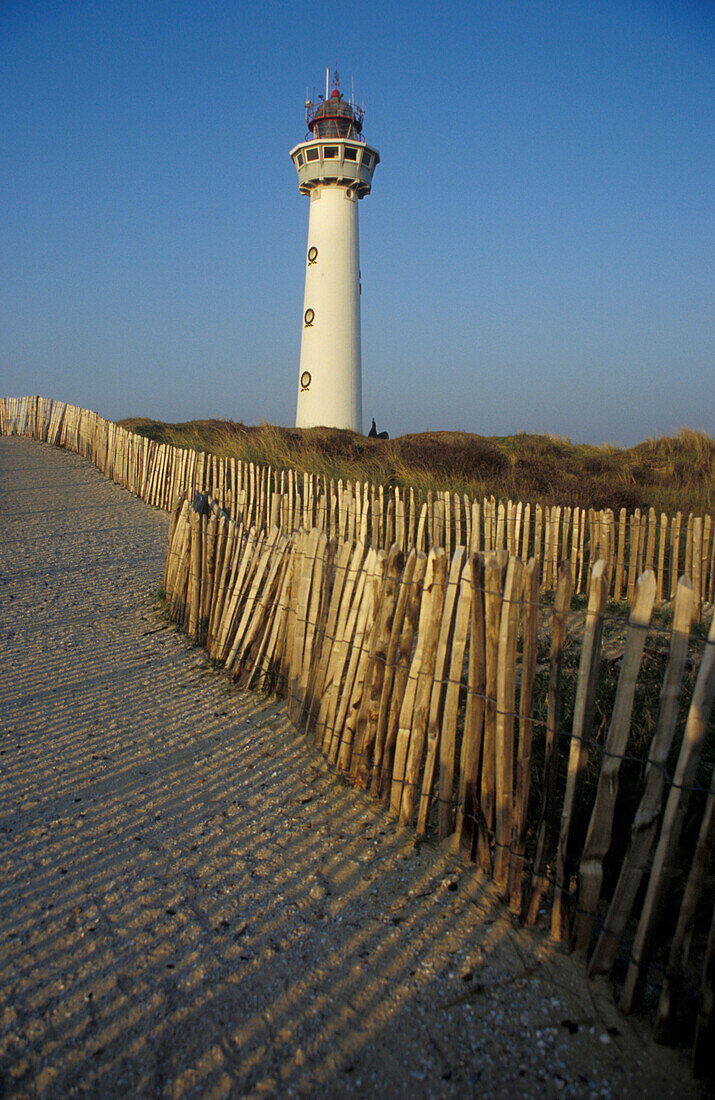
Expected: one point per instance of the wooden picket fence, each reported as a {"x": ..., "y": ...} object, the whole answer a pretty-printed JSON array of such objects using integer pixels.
[
  {"x": 438, "y": 664},
  {"x": 416, "y": 675},
  {"x": 381, "y": 516}
]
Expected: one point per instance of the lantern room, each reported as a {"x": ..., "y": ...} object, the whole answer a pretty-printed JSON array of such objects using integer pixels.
[{"x": 334, "y": 118}]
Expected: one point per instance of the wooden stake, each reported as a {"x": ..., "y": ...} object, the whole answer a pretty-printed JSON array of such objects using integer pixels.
[
  {"x": 476, "y": 528},
  {"x": 397, "y": 672},
  {"x": 260, "y": 565},
  {"x": 420, "y": 540},
  {"x": 378, "y": 673},
  {"x": 680, "y": 945},
  {"x": 469, "y": 812},
  {"x": 581, "y": 731},
  {"x": 690, "y": 752},
  {"x": 526, "y": 532},
  {"x": 581, "y": 537},
  {"x": 548, "y": 558},
  {"x": 704, "y": 1030},
  {"x": 257, "y": 630},
  {"x": 247, "y": 560},
  {"x": 447, "y": 748},
  {"x": 633, "y": 555},
  {"x": 538, "y": 522},
  {"x": 344, "y": 627},
  {"x": 689, "y": 547},
  {"x": 195, "y": 574},
  {"x": 308, "y": 549},
  {"x": 359, "y": 619},
  {"x": 544, "y": 832},
  {"x": 662, "y": 540},
  {"x": 650, "y": 546},
  {"x": 707, "y": 534},
  {"x": 180, "y": 508},
  {"x": 227, "y": 544},
  {"x": 500, "y": 527},
  {"x": 414, "y": 743},
  {"x": 275, "y": 601},
  {"x": 555, "y": 518},
  {"x": 434, "y": 721},
  {"x": 410, "y": 692},
  {"x": 526, "y": 730},
  {"x": 492, "y": 610},
  {"x": 316, "y": 609},
  {"x": 598, "y": 837},
  {"x": 506, "y": 686},
  {"x": 317, "y": 681},
  {"x": 697, "y": 567},
  {"x": 355, "y": 684},
  {"x": 646, "y": 820},
  {"x": 674, "y": 553}
]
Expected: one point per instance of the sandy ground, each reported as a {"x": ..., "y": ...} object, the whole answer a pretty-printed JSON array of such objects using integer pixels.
[{"x": 191, "y": 906}]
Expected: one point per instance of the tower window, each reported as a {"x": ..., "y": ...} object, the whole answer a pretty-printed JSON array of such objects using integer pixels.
[
  {"x": 350, "y": 152},
  {"x": 330, "y": 151},
  {"x": 311, "y": 154},
  {"x": 309, "y": 317},
  {"x": 299, "y": 159},
  {"x": 367, "y": 159}
]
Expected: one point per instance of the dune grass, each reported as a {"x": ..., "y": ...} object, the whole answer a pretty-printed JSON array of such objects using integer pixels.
[{"x": 672, "y": 473}]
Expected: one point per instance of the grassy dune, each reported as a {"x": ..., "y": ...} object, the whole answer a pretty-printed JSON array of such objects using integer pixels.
[{"x": 670, "y": 474}]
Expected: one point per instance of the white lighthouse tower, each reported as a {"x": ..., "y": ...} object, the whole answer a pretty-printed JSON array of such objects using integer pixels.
[{"x": 335, "y": 169}]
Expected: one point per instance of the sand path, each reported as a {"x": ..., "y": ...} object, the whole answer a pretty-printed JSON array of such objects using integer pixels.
[{"x": 191, "y": 906}]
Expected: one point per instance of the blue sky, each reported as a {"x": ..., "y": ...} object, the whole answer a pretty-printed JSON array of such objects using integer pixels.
[{"x": 536, "y": 252}]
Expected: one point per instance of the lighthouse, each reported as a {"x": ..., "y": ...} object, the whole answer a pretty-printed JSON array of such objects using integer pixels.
[{"x": 335, "y": 168}]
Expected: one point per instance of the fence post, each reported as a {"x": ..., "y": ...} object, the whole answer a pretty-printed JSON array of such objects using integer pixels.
[
  {"x": 562, "y": 605},
  {"x": 468, "y": 802},
  {"x": 598, "y": 837},
  {"x": 526, "y": 730},
  {"x": 675, "y": 809},
  {"x": 435, "y": 717},
  {"x": 506, "y": 686},
  {"x": 581, "y": 730}
]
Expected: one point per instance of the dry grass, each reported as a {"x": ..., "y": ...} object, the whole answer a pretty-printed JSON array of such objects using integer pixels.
[{"x": 670, "y": 474}]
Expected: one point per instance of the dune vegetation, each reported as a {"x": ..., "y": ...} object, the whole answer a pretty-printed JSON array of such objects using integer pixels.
[{"x": 670, "y": 474}]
